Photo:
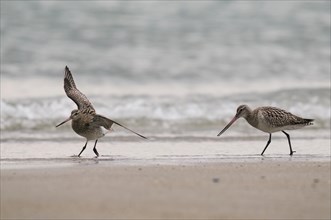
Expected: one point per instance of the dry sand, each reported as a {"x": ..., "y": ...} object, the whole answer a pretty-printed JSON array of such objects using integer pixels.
[{"x": 254, "y": 190}]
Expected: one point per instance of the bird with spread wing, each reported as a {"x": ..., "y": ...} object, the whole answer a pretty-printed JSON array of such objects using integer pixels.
[{"x": 84, "y": 120}]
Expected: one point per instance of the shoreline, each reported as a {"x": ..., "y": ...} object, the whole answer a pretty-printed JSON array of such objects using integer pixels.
[
  {"x": 265, "y": 189},
  {"x": 120, "y": 161}
]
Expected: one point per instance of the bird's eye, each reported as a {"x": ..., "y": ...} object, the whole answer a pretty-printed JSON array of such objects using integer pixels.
[{"x": 240, "y": 110}]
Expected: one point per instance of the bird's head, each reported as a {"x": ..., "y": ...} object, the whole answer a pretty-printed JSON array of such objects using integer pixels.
[
  {"x": 75, "y": 114},
  {"x": 242, "y": 111}
]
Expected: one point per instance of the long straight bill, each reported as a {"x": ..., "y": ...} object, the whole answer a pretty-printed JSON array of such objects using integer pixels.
[
  {"x": 68, "y": 119},
  {"x": 226, "y": 127}
]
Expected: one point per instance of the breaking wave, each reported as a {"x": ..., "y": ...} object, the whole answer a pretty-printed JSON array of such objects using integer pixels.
[{"x": 165, "y": 114}]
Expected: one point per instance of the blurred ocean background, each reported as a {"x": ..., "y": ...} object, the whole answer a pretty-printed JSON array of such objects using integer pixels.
[{"x": 167, "y": 69}]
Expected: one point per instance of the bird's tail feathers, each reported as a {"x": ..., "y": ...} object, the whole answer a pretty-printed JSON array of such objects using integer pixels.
[{"x": 309, "y": 121}]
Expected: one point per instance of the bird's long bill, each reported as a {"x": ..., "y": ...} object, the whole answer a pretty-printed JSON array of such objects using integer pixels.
[
  {"x": 68, "y": 119},
  {"x": 228, "y": 125}
]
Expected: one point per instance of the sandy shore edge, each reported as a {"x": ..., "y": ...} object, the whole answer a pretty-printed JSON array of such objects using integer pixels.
[{"x": 256, "y": 190}]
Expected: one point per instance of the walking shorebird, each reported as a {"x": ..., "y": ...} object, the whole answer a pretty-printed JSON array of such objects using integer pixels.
[
  {"x": 270, "y": 120},
  {"x": 85, "y": 121}
]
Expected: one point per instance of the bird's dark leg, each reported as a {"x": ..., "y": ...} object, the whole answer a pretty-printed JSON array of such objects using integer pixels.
[
  {"x": 289, "y": 142},
  {"x": 83, "y": 149},
  {"x": 267, "y": 144},
  {"x": 95, "y": 149}
]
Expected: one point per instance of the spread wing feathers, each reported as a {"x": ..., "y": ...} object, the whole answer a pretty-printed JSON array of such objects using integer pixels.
[
  {"x": 107, "y": 123},
  {"x": 73, "y": 93},
  {"x": 279, "y": 117}
]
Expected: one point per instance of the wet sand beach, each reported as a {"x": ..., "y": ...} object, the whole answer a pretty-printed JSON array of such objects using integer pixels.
[{"x": 266, "y": 189}]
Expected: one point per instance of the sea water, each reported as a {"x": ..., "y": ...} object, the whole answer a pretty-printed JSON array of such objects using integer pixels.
[{"x": 172, "y": 71}]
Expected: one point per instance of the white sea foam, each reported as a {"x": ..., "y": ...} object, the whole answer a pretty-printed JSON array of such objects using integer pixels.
[{"x": 168, "y": 113}]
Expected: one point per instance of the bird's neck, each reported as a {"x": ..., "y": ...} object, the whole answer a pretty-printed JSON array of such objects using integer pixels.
[{"x": 251, "y": 117}]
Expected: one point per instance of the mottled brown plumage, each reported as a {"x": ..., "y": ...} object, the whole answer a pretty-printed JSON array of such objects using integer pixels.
[
  {"x": 85, "y": 121},
  {"x": 270, "y": 120},
  {"x": 73, "y": 93}
]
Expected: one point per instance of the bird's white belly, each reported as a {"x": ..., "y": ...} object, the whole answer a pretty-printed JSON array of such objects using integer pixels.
[
  {"x": 268, "y": 128},
  {"x": 93, "y": 134},
  {"x": 99, "y": 133}
]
